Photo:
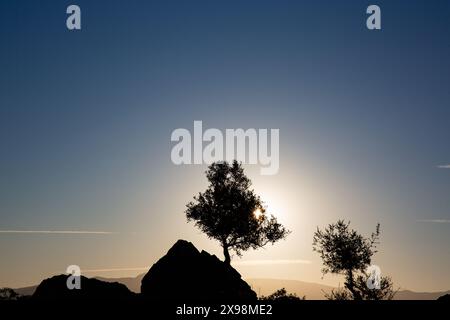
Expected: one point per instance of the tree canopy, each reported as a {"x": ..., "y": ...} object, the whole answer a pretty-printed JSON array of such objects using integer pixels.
[
  {"x": 230, "y": 212},
  {"x": 344, "y": 251}
]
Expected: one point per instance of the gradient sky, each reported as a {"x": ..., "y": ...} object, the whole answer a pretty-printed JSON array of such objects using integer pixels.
[{"x": 86, "y": 118}]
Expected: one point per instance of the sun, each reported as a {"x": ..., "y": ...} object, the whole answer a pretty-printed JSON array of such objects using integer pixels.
[{"x": 257, "y": 213}]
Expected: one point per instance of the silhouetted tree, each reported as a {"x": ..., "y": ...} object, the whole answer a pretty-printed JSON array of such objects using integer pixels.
[
  {"x": 230, "y": 212},
  {"x": 344, "y": 251}
]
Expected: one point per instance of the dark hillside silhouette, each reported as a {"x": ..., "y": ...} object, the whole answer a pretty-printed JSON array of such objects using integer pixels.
[
  {"x": 444, "y": 298},
  {"x": 265, "y": 287},
  {"x": 185, "y": 274}
]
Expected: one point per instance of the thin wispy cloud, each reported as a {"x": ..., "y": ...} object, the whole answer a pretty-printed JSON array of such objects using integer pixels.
[
  {"x": 269, "y": 262},
  {"x": 55, "y": 232},
  {"x": 434, "y": 220},
  {"x": 445, "y": 166}
]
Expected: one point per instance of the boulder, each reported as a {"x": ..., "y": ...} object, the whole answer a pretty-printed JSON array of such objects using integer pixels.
[{"x": 185, "y": 274}]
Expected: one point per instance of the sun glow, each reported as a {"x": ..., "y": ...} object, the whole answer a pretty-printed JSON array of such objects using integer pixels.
[
  {"x": 257, "y": 213},
  {"x": 276, "y": 203}
]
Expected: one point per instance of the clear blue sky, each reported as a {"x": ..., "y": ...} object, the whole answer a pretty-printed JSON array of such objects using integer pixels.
[{"x": 86, "y": 118}]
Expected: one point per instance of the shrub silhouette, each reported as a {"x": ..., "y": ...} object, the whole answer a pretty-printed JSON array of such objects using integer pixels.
[
  {"x": 344, "y": 251},
  {"x": 8, "y": 294},
  {"x": 226, "y": 211},
  {"x": 385, "y": 292},
  {"x": 281, "y": 295}
]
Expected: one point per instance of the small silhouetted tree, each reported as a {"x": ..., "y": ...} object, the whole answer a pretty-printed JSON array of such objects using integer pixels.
[
  {"x": 230, "y": 212},
  {"x": 344, "y": 251}
]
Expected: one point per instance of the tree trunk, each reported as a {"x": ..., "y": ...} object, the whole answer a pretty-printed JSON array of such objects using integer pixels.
[
  {"x": 226, "y": 254},
  {"x": 351, "y": 286}
]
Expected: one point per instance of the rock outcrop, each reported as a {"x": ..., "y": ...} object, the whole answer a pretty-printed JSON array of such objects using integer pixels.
[{"x": 185, "y": 274}]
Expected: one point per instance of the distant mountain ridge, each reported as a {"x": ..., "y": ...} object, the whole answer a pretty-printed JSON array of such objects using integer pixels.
[
  {"x": 315, "y": 291},
  {"x": 311, "y": 291}
]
